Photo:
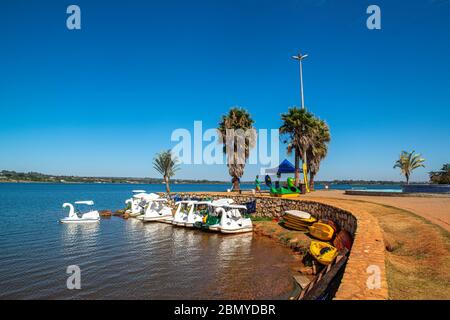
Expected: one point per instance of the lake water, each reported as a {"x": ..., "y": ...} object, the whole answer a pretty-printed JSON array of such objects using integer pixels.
[{"x": 126, "y": 259}]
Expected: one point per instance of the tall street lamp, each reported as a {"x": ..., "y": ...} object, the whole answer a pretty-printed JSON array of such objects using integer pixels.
[{"x": 300, "y": 57}]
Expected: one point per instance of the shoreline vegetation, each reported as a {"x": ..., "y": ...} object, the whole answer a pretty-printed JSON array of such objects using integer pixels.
[{"x": 36, "y": 177}]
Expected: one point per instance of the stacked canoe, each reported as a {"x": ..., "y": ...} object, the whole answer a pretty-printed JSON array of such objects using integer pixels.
[
  {"x": 298, "y": 220},
  {"x": 330, "y": 241}
]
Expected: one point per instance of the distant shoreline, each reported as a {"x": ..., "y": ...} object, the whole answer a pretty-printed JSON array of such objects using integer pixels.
[
  {"x": 7, "y": 176},
  {"x": 94, "y": 182},
  {"x": 207, "y": 183}
]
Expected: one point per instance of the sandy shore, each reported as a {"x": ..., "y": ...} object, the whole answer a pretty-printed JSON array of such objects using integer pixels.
[{"x": 436, "y": 210}]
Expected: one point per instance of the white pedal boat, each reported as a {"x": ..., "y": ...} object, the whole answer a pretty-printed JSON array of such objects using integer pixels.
[
  {"x": 215, "y": 212},
  {"x": 156, "y": 210},
  {"x": 184, "y": 209},
  {"x": 233, "y": 219},
  {"x": 77, "y": 217},
  {"x": 199, "y": 210},
  {"x": 137, "y": 203}
]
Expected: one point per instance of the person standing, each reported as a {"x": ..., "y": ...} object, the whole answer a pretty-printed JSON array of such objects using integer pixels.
[{"x": 257, "y": 184}]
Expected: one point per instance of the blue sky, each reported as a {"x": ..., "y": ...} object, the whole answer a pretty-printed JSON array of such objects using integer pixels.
[{"x": 104, "y": 99}]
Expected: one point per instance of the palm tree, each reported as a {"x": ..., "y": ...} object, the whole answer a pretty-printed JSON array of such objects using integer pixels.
[
  {"x": 318, "y": 149},
  {"x": 408, "y": 162},
  {"x": 238, "y": 137},
  {"x": 297, "y": 127},
  {"x": 166, "y": 164}
]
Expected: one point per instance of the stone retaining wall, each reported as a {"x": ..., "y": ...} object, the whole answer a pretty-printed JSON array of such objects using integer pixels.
[
  {"x": 267, "y": 206},
  {"x": 365, "y": 274}
]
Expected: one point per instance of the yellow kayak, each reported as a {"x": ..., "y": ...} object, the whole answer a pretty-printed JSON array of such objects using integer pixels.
[
  {"x": 321, "y": 231},
  {"x": 296, "y": 227},
  {"x": 306, "y": 222},
  {"x": 323, "y": 252}
]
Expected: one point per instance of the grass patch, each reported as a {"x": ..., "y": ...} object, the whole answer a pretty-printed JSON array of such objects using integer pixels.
[
  {"x": 254, "y": 218},
  {"x": 419, "y": 265},
  {"x": 418, "y": 259},
  {"x": 285, "y": 237}
]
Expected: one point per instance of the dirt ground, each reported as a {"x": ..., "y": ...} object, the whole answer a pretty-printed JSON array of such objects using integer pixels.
[
  {"x": 296, "y": 240},
  {"x": 434, "y": 209},
  {"x": 417, "y": 250}
]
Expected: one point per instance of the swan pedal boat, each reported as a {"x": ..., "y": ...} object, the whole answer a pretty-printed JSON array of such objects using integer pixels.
[
  {"x": 211, "y": 221},
  {"x": 157, "y": 211},
  {"x": 198, "y": 211},
  {"x": 137, "y": 203},
  {"x": 184, "y": 209},
  {"x": 233, "y": 219},
  {"x": 74, "y": 217}
]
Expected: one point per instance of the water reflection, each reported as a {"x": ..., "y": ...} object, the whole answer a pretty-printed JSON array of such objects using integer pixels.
[
  {"x": 126, "y": 259},
  {"x": 75, "y": 232},
  {"x": 234, "y": 245},
  {"x": 79, "y": 236},
  {"x": 132, "y": 224},
  {"x": 157, "y": 261}
]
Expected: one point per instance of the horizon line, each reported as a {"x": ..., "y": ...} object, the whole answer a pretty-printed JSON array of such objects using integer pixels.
[{"x": 189, "y": 179}]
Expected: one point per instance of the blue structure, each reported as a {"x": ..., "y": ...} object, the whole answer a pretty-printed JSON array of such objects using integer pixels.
[
  {"x": 285, "y": 167},
  {"x": 426, "y": 188}
]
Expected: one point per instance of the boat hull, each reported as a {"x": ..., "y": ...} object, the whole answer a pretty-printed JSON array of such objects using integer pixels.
[
  {"x": 298, "y": 214},
  {"x": 321, "y": 231},
  {"x": 324, "y": 257},
  {"x": 240, "y": 230},
  {"x": 79, "y": 220},
  {"x": 214, "y": 228},
  {"x": 204, "y": 227},
  {"x": 168, "y": 220},
  {"x": 298, "y": 223},
  {"x": 134, "y": 215},
  {"x": 150, "y": 219},
  {"x": 287, "y": 195}
]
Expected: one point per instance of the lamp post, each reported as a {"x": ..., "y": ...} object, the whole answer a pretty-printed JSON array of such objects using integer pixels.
[{"x": 300, "y": 57}]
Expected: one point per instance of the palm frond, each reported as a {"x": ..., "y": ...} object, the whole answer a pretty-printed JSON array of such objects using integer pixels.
[
  {"x": 238, "y": 137},
  {"x": 307, "y": 134},
  {"x": 166, "y": 164},
  {"x": 407, "y": 162}
]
